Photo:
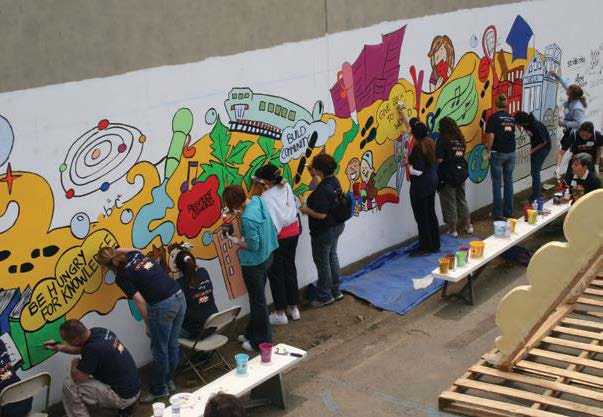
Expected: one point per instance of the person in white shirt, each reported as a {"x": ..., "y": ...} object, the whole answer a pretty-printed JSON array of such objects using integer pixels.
[{"x": 282, "y": 205}]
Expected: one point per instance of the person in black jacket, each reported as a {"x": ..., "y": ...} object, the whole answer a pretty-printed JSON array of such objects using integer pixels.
[
  {"x": 540, "y": 146},
  {"x": 453, "y": 172},
  {"x": 324, "y": 229},
  {"x": 422, "y": 166}
]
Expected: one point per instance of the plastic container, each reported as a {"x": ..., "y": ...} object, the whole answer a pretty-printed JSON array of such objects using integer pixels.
[
  {"x": 266, "y": 352},
  {"x": 477, "y": 248},
  {"x": 499, "y": 228},
  {"x": 461, "y": 258},
  {"x": 241, "y": 359},
  {"x": 444, "y": 265}
]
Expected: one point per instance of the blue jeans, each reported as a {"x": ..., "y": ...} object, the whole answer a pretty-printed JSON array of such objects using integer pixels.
[
  {"x": 324, "y": 253},
  {"x": 501, "y": 168},
  {"x": 536, "y": 161},
  {"x": 255, "y": 277},
  {"x": 165, "y": 322}
]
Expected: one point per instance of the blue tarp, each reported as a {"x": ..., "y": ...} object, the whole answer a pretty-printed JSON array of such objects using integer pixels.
[{"x": 387, "y": 282}]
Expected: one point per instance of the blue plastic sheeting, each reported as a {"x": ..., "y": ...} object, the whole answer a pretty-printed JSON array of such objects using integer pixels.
[{"x": 397, "y": 282}]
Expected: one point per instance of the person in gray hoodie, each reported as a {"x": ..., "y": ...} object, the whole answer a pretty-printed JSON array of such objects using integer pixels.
[{"x": 256, "y": 244}]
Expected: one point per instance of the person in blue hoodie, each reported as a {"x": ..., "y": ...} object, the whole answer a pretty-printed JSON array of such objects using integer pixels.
[{"x": 256, "y": 244}]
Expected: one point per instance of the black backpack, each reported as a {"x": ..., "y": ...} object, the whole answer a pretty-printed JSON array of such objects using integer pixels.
[
  {"x": 455, "y": 172},
  {"x": 342, "y": 209}
]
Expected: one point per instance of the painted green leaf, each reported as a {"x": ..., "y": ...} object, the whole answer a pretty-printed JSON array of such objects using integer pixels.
[
  {"x": 220, "y": 137},
  {"x": 301, "y": 189},
  {"x": 255, "y": 164},
  {"x": 287, "y": 175},
  {"x": 217, "y": 169},
  {"x": 267, "y": 145},
  {"x": 238, "y": 152},
  {"x": 386, "y": 171},
  {"x": 458, "y": 100}
]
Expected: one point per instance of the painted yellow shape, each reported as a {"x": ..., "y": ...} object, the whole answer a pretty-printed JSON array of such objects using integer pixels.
[
  {"x": 77, "y": 272},
  {"x": 390, "y": 124},
  {"x": 551, "y": 270}
]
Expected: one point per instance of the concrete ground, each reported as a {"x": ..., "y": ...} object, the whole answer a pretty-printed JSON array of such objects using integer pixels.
[{"x": 398, "y": 365}]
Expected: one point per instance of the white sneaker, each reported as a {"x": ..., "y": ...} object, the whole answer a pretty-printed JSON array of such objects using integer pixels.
[
  {"x": 242, "y": 338},
  {"x": 278, "y": 319},
  {"x": 294, "y": 313},
  {"x": 470, "y": 229},
  {"x": 453, "y": 233},
  {"x": 247, "y": 346}
]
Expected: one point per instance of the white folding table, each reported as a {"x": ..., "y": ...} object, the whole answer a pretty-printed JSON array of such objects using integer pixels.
[
  {"x": 494, "y": 246},
  {"x": 263, "y": 382}
]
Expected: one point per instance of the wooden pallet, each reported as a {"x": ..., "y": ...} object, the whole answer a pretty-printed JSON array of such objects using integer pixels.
[{"x": 562, "y": 374}]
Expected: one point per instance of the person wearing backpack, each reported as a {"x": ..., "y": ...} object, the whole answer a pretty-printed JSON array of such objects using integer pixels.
[
  {"x": 453, "y": 172},
  {"x": 540, "y": 146},
  {"x": 326, "y": 210}
]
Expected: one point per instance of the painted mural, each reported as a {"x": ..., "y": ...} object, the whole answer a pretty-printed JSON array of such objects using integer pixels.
[{"x": 53, "y": 276}]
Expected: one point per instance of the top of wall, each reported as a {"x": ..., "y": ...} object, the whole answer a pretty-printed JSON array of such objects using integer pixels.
[{"x": 56, "y": 41}]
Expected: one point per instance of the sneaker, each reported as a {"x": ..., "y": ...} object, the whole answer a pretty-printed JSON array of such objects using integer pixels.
[
  {"x": 278, "y": 319},
  {"x": 318, "y": 303},
  {"x": 338, "y": 296},
  {"x": 247, "y": 346},
  {"x": 242, "y": 338},
  {"x": 151, "y": 398},
  {"x": 293, "y": 313},
  {"x": 469, "y": 229},
  {"x": 453, "y": 233},
  {"x": 129, "y": 411},
  {"x": 171, "y": 385}
]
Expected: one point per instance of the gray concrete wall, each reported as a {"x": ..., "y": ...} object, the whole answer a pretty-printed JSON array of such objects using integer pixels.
[{"x": 55, "y": 41}]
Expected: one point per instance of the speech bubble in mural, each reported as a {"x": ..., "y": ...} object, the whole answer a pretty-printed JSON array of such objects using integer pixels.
[
  {"x": 199, "y": 207},
  {"x": 296, "y": 139},
  {"x": 389, "y": 122},
  {"x": 76, "y": 272},
  {"x": 458, "y": 100}
]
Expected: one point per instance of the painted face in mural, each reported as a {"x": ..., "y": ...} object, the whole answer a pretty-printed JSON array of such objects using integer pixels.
[
  {"x": 366, "y": 170},
  {"x": 353, "y": 170}
]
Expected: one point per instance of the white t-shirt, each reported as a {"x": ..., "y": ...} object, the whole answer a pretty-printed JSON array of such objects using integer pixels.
[{"x": 281, "y": 204}]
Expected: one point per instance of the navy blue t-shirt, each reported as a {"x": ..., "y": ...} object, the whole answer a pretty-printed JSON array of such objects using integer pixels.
[
  {"x": 143, "y": 275},
  {"x": 502, "y": 125},
  {"x": 200, "y": 303},
  {"x": 108, "y": 360},
  {"x": 540, "y": 136},
  {"x": 9, "y": 377},
  {"x": 322, "y": 200}
]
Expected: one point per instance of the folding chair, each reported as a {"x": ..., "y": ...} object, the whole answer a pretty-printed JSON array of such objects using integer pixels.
[
  {"x": 26, "y": 388},
  {"x": 212, "y": 343}
]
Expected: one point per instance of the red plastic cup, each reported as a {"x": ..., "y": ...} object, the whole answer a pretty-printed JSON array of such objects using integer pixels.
[{"x": 266, "y": 352}]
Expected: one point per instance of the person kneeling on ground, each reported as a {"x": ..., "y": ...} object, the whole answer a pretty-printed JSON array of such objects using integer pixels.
[
  {"x": 104, "y": 376},
  {"x": 199, "y": 293},
  {"x": 224, "y": 405},
  {"x": 584, "y": 181}
]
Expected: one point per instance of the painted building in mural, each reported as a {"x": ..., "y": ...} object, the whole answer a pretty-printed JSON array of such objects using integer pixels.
[{"x": 151, "y": 176}]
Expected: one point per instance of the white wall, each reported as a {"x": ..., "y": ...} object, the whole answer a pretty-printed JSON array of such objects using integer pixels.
[{"x": 47, "y": 120}]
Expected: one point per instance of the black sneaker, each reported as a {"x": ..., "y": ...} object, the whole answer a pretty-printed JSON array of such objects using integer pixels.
[
  {"x": 318, "y": 303},
  {"x": 338, "y": 296},
  {"x": 128, "y": 411}
]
